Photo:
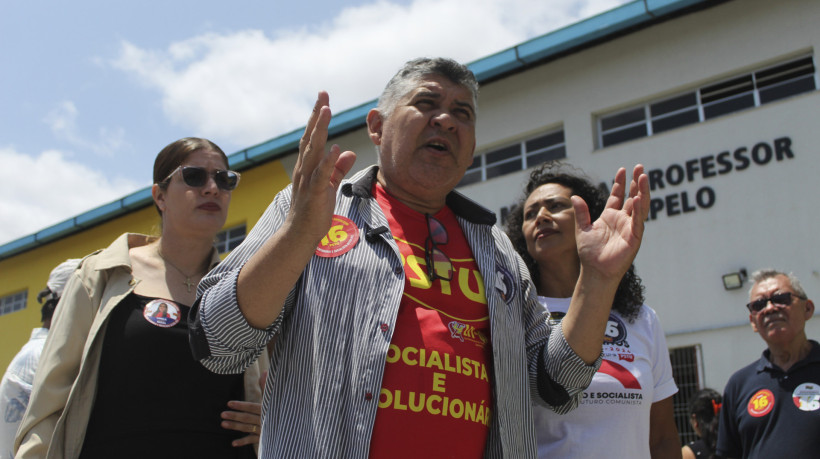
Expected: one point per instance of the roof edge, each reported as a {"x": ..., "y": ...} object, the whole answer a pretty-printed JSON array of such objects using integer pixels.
[{"x": 610, "y": 23}]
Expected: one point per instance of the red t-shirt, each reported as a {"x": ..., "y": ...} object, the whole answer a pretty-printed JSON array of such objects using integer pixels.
[{"x": 436, "y": 396}]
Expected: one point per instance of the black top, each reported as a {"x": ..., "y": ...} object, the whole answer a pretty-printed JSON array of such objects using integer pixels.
[
  {"x": 153, "y": 399},
  {"x": 700, "y": 448}
]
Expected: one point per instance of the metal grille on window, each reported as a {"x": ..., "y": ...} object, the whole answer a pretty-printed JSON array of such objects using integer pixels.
[
  {"x": 686, "y": 369},
  {"x": 230, "y": 238}
]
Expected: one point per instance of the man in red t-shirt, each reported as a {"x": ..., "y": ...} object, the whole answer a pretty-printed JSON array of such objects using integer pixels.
[{"x": 458, "y": 368}]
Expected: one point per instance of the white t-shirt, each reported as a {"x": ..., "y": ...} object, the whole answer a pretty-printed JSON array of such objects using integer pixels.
[
  {"x": 612, "y": 419},
  {"x": 15, "y": 389}
]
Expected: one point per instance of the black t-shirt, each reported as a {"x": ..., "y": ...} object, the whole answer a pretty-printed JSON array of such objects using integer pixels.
[
  {"x": 153, "y": 399},
  {"x": 700, "y": 448}
]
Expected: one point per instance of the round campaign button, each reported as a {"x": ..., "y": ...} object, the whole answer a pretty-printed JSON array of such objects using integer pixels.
[
  {"x": 761, "y": 403},
  {"x": 162, "y": 313},
  {"x": 807, "y": 397},
  {"x": 342, "y": 236}
]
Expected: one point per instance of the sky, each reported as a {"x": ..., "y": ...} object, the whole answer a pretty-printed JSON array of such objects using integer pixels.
[{"x": 92, "y": 90}]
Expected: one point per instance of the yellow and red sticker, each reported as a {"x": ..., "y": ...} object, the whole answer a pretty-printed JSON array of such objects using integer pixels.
[
  {"x": 761, "y": 403},
  {"x": 342, "y": 236}
]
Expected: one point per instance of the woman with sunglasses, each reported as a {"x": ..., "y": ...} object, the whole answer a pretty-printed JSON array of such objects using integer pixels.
[
  {"x": 627, "y": 409},
  {"x": 114, "y": 379}
]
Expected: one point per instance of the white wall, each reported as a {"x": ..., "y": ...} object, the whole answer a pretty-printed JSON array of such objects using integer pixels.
[{"x": 765, "y": 215}]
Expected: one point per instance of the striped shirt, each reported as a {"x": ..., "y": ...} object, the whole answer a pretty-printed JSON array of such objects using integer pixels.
[{"x": 332, "y": 337}]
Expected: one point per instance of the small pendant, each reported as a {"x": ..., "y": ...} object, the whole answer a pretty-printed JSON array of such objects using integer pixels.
[{"x": 188, "y": 283}]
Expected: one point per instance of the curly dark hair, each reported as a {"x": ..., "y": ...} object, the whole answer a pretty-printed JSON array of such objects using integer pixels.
[{"x": 630, "y": 294}]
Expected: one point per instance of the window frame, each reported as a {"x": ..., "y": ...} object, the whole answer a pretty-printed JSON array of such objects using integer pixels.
[
  {"x": 482, "y": 171},
  {"x": 725, "y": 97},
  {"x": 230, "y": 242},
  {"x": 13, "y": 302}
]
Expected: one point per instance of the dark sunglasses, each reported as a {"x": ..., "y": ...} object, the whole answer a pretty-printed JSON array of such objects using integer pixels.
[
  {"x": 780, "y": 299},
  {"x": 439, "y": 265},
  {"x": 196, "y": 177}
]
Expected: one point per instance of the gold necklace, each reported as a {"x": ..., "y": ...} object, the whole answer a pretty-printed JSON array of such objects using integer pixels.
[{"x": 187, "y": 282}]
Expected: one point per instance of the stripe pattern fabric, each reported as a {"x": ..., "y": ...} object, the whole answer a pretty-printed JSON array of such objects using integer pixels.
[{"x": 331, "y": 340}]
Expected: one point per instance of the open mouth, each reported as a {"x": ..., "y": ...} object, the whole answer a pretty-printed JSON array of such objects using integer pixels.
[{"x": 438, "y": 146}]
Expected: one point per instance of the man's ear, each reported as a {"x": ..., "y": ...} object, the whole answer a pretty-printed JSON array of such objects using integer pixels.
[
  {"x": 752, "y": 322},
  {"x": 159, "y": 197},
  {"x": 374, "y": 126},
  {"x": 809, "y": 309}
]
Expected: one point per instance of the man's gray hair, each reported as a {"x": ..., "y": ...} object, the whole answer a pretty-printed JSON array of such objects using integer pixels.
[
  {"x": 762, "y": 274},
  {"x": 414, "y": 71}
]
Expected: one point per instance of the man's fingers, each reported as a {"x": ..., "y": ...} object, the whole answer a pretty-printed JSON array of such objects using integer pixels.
[
  {"x": 305, "y": 143},
  {"x": 343, "y": 165},
  {"x": 314, "y": 150},
  {"x": 322, "y": 100}
]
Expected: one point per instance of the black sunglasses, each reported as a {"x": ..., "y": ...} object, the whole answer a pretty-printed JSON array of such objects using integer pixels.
[
  {"x": 196, "y": 177},
  {"x": 780, "y": 299},
  {"x": 439, "y": 265}
]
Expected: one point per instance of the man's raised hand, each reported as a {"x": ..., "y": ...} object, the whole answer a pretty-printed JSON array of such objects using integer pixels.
[
  {"x": 317, "y": 174},
  {"x": 607, "y": 246}
]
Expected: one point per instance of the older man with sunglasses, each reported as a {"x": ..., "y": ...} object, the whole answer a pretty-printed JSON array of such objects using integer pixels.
[
  {"x": 771, "y": 408},
  {"x": 403, "y": 323}
]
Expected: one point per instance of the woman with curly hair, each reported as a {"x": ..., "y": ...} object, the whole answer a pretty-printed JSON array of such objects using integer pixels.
[{"x": 627, "y": 409}]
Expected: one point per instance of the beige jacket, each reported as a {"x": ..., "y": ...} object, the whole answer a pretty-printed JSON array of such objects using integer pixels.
[{"x": 66, "y": 379}]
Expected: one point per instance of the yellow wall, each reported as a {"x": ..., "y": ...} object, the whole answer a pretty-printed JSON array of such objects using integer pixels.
[{"x": 30, "y": 270}]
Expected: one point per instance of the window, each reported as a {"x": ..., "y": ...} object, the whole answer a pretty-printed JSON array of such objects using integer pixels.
[
  {"x": 13, "y": 303},
  {"x": 516, "y": 157},
  {"x": 228, "y": 239},
  {"x": 686, "y": 369},
  {"x": 711, "y": 101}
]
